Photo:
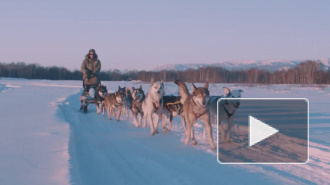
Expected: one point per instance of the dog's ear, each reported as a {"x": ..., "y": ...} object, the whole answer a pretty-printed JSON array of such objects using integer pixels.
[
  {"x": 193, "y": 88},
  {"x": 226, "y": 90},
  {"x": 118, "y": 87},
  {"x": 140, "y": 87},
  {"x": 152, "y": 81},
  {"x": 206, "y": 86}
]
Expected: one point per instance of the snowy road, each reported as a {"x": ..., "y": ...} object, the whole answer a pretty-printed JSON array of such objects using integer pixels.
[{"x": 44, "y": 139}]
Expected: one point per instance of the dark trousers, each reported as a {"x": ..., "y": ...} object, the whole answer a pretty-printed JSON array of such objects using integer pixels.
[{"x": 88, "y": 87}]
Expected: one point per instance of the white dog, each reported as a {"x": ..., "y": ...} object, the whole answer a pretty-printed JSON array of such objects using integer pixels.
[{"x": 152, "y": 106}]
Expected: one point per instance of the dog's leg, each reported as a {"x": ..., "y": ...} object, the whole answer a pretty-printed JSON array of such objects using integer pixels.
[
  {"x": 135, "y": 122},
  {"x": 119, "y": 113},
  {"x": 230, "y": 121},
  {"x": 156, "y": 123},
  {"x": 98, "y": 105},
  {"x": 151, "y": 124},
  {"x": 183, "y": 121},
  {"x": 204, "y": 133},
  {"x": 188, "y": 132},
  {"x": 145, "y": 121},
  {"x": 164, "y": 120},
  {"x": 206, "y": 119},
  {"x": 127, "y": 111},
  {"x": 113, "y": 110},
  {"x": 222, "y": 132},
  {"x": 109, "y": 112},
  {"x": 193, "y": 140},
  {"x": 141, "y": 117},
  {"x": 103, "y": 108},
  {"x": 170, "y": 124}
]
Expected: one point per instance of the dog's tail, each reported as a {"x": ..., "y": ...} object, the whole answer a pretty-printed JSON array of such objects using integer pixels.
[{"x": 183, "y": 90}]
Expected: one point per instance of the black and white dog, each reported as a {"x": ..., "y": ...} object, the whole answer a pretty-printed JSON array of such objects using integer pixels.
[
  {"x": 137, "y": 97},
  {"x": 227, "y": 110},
  {"x": 172, "y": 107},
  {"x": 99, "y": 95}
]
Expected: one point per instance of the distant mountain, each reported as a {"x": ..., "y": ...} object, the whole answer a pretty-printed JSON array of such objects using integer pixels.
[{"x": 269, "y": 65}]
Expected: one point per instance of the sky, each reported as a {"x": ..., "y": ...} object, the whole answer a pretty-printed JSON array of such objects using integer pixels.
[{"x": 144, "y": 34}]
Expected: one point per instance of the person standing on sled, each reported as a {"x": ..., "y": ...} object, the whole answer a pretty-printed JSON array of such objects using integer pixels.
[{"x": 90, "y": 68}]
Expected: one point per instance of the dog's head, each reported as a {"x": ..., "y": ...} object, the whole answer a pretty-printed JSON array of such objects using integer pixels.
[
  {"x": 137, "y": 94},
  {"x": 233, "y": 94},
  {"x": 119, "y": 97},
  {"x": 122, "y": 90},
  {"x": 101, "y": 90},
  {"x": 157, "y": 89},
  {"x": 201, "y": 95}
]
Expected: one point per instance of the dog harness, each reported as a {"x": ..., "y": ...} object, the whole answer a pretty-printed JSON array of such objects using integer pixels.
[
  {"x": 229, "y": 114},
  {"x": 195, "y": 114},
  {"x": 154, "y": 104},
  {"x": 174, "y": 103}
]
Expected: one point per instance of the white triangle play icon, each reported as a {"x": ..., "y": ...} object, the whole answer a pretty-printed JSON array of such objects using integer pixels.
[{"x": 259, "y": 130}]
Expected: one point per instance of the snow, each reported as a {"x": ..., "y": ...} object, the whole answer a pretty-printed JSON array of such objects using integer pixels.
[{"x": 44, "y": 139}]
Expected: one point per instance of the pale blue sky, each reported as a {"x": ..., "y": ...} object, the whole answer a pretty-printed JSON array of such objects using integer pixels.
[{"x": 142, "y": 34}]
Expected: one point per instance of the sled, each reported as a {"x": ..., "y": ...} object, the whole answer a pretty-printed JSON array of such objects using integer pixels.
[{"x": 86, "y": 99}]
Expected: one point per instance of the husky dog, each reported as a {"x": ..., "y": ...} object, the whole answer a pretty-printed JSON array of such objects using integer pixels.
[
  {"x": 127, "y": 104},
  {"x": 99, "y": 95},
  {"x": 122, "y": 90},
  {"x": 172, "y": 107},
  {"x": 226, "y": 111},
  {"x": 112, "y": 101},
  {"x": 136, "y": 105},
  {"x": 194, "y": 108},
  {"x": 125, "y": 107},
  {"x": 153, "y": 106}
]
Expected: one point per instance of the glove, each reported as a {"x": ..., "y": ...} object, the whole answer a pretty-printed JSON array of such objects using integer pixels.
[{"x": 88, "y": 73}]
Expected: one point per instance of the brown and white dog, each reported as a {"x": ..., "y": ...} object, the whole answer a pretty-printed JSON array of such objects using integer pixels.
[
  {"x": 152, "y": 106},
  {"x": 113, "y": 101},
  {"x": 194, "y": 108}
]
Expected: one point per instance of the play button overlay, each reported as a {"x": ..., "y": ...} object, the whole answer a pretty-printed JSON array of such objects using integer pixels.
[
  {"x": 259, "y": 130},
  {"x": 262, "y": 131}
]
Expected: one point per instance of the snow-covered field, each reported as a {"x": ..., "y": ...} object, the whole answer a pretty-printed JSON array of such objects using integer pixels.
[{"x": 45, "y": 139}]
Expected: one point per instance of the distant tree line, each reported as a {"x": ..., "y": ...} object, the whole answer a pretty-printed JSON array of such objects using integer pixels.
[{"x": 309, "y": 72}]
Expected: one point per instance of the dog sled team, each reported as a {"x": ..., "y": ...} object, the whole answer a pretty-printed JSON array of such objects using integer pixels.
[{"x": 155, "y": 106}]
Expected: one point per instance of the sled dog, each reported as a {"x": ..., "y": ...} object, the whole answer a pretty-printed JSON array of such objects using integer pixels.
[
  {"x": 99, "y": 95},
  {"x": 152, "y": 106},
  {"x": 194, "y": 108},
  {"x": 172, "y": 107},
  {"x": 113, "y": 101},
  {"x": 138, "y": 97},
  {"x": 226, "y": 111}
]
